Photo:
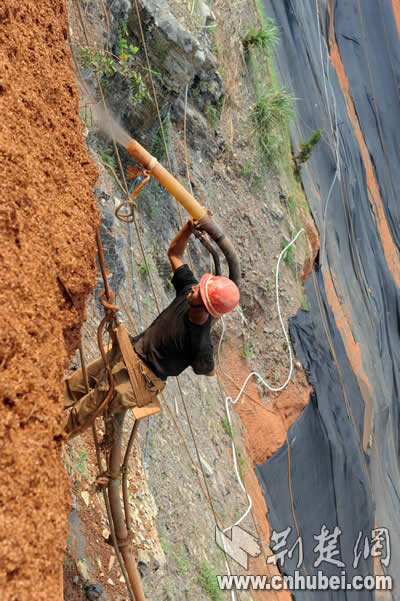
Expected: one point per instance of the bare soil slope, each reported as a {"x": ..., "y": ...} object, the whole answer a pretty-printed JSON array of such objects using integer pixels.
[{"x": 47, "y": 216}]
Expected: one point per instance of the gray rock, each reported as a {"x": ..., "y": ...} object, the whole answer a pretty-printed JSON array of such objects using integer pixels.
[
  {"x": 276, "y": 213},
  {"x": 93, "y": 591}
]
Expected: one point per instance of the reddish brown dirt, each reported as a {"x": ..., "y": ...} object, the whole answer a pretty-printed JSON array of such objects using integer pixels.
[
  {"x": 313, "y": 242},
  {"x": 48, "y": 216},
  {"x": 265, "y": 423},
  {"x": 396, "y": 12},
  {"x": 265, "y": 428}
]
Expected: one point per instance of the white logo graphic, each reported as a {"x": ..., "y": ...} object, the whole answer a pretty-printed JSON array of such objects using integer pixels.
[{"x": 240, "y": 546}]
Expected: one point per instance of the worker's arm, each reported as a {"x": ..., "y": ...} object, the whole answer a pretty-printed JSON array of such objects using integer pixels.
[{"x": 178, "y": 245}]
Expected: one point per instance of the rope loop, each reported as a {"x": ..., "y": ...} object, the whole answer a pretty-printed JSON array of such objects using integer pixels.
[{"x": 128, "y": 217}]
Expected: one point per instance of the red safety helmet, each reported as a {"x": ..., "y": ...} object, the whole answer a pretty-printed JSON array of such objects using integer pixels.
[{"x": 219, "y": 294}]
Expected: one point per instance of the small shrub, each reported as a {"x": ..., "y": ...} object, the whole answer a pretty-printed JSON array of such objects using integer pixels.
[
  {"x": 138, "y": 89},
  {"x": 306, "y": 148},
  {"x": 97, "y": 60},
  {"x": 208, "y": 581},
  {"x": 266, "y": 37},
  {"x": 125, "y": 49}
]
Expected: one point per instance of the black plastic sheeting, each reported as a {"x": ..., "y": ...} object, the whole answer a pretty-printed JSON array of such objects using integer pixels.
[{"x": 344, "y": 464}]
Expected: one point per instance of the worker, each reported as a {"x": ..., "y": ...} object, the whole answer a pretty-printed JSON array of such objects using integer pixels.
[{"x": 178, "y": 338}]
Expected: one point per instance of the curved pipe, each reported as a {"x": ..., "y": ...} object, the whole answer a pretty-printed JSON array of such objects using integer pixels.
[
  {"x": 120, "y": 527},
  {"x": 166, "y": 179},
  {"x": 191, "y": 205},
  {"x": 211, "y": 250},
  {"x": 208, "y": 224}
]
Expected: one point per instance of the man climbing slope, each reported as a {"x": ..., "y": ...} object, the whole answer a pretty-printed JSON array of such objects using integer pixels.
[{"x": 178, "y": 338}]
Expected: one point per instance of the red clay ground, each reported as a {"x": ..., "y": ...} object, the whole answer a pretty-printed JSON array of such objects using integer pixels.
[
  {"x": 48, "y": 217},
  {"x": 265, "y": 427}
]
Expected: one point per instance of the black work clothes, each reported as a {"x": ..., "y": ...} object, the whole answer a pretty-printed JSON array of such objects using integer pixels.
[{"x": 172, "y": 342}]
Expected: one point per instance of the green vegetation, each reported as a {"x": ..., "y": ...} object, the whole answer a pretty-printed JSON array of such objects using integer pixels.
[
  {"x": 211, "y": 114},
  {"x": 288, "y": 256},
  {"x": 86, "y": 116},
  {"x": 165, "y": 546},
  {"x": 246, "y": 350},
  {"x": 306, "y": 148},
  {"x": 221, "y": 70},
  {"x": 125, "y": 49},
  {"x": 230, "y": 430},
  {"x": 268, "y": 123},
  {"x": 107, "y": 155},
  {"x": 138, "y": 89},
  {"x": 212, "y": 32},
  {"x": 265, "y": 37},
  {"x": 209, "y": 401},
  {"x": 241, "y": 462},
  {"x": 168, "y": 589},
  {"x": 272, "y": 112},
  {"x": 99, "y": 61},
  {"x": 275, "y": 139},
  {"x": 207, "y": 579},
  {"x": 304, "y": 153},
  {"x": 182, "y": 562},
  {"x": 80, "y": 462},
  {"x": 291, "y": 205},
  {"x": 213, "y": 111},
  {"x": 304, "y": 302},
  {"x": 105, "y": 65},
  {"x": 158, "y": 148},
  {"x": 145, "y": 268}
]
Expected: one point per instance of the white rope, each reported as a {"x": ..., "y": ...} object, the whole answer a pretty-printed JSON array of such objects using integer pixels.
[{"x": 261, "y": 379}]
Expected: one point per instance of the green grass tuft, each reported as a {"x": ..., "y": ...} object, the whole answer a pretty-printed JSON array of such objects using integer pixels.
[
  {"x": 207, "y": 579},
  {"x": 230, "y": 430},
  {"x": 272, "y": 112},
  {"x": 265, "y": 37}
]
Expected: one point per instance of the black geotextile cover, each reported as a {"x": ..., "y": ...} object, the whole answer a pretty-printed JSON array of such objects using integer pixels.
[{"x": 344, "y": 464}]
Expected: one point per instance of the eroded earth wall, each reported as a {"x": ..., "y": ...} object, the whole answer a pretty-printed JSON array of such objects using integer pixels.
[{"x": 47, "y": 268}]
